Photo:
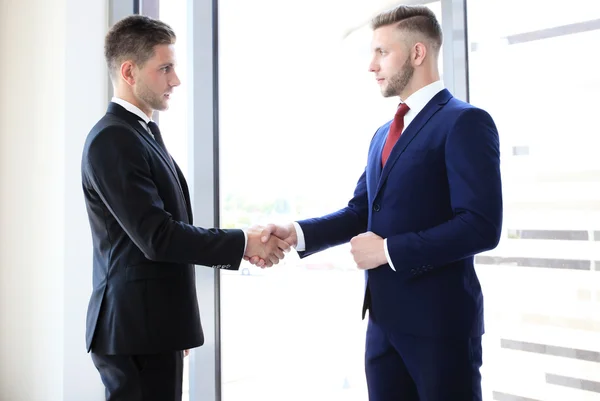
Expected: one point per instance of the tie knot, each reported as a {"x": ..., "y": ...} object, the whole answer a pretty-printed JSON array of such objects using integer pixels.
[
  {"x": 153, "y": 126},
  {"x": 402, "y": 110}
]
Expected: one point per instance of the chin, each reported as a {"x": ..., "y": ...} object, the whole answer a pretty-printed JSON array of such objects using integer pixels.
[
  {"x": 162, "y": 107},
  {"x": 385, "y": 92}
]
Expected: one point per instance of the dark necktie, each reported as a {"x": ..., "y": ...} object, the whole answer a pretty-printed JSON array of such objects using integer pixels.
[
  {"x": 159, "y": 140},
  {"x": 394, "y": 132},
  {"x": 157, "y": 135}
]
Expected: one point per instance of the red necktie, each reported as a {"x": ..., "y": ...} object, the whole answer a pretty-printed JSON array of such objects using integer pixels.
[{"x": 394, "y": 132}]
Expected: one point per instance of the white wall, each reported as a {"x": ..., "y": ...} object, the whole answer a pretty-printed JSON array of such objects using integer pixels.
[{"x": 52, "y": 89}]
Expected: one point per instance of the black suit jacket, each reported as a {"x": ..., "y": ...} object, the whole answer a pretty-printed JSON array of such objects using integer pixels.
[{"x": 145, "y": 246}]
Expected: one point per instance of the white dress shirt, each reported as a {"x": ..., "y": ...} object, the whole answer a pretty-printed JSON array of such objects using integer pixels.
[
  {"x": 144, "y": 123},
  {"x": 416, "y": 102}
]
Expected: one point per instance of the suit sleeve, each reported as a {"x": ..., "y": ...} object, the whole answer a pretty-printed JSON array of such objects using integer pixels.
[
  {"x": 118, "y": 170},
  {"x": 339, "y": 227},
  {"x": 473, "y": 167}
]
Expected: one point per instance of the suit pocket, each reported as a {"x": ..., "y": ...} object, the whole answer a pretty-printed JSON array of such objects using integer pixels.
[{"x": 150, "y": 271}]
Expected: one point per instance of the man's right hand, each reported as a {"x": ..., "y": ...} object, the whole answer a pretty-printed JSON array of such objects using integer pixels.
[
  {"x": 286, "y": 233},
  {"x": 265, "y": 252}
]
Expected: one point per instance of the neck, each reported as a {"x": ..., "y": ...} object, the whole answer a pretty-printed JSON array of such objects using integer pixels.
[
  {"x": 129, "y": 97},
  {"x": 420, "y": 80}
]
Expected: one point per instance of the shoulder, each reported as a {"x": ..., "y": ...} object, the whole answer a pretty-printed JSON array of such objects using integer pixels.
[
  {"x": 110, "y": 136},
  {"x": 462, "y": 112},
  {"x": 470, "y": 126}
]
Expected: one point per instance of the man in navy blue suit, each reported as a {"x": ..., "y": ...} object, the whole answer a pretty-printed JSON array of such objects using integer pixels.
[{"x": 429, "y": 200}]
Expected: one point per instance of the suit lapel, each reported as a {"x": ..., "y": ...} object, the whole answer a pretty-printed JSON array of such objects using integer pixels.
[
  {"x": 413, "y": 129},
  {"x": 134, "y": 122},
  {"x": 374, "y": 163},
  {"x": 379, "y": 149}
]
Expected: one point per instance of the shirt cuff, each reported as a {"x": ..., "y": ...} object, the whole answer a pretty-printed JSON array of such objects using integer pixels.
[
  {"x": 301, "y": 246},
  {"x": 387, "y": 254}
]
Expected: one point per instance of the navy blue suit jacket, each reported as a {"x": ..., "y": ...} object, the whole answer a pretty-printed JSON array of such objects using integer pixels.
[{"x": 438, "y": 201}]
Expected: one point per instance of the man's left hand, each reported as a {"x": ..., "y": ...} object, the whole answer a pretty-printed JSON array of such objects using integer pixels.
[{"x": 368, "y": 252}]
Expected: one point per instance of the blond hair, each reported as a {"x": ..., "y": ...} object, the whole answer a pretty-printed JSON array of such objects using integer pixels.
[{"x": 418, "y": 20}]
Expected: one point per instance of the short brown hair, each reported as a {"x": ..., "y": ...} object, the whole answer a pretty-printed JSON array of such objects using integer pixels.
[
  {"x": 134, "y": 38},
  {"x": 414, "y": 19}
]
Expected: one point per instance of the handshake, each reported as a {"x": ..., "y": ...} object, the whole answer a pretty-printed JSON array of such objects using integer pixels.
[{"x": 268, "y": 245}]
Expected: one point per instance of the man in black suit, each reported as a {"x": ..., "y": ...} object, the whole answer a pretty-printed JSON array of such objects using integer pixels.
[{"x": 143, "y": 312}]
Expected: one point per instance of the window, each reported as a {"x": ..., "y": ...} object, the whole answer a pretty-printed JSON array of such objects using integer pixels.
[{"x": 537, "y": 76}]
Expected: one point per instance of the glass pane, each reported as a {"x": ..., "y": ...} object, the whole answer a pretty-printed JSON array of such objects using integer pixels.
[
  {"x": 502, "y": 18},
  {"x": 298, "y": 109},
  {"x": 538, "y": 78}
]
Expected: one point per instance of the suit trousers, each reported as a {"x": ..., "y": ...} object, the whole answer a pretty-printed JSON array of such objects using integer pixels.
[
  {"x": 154, "y": 377},
  {"x": 401, "y": 367}
]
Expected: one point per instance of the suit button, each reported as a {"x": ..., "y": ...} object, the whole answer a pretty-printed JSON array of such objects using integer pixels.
[{"x": 376, "y": 207}]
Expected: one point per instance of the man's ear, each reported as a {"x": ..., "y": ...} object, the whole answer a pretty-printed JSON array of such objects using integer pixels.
[
  {"x": 127, "y": 72},
  {"x": 418, "y": 53}
]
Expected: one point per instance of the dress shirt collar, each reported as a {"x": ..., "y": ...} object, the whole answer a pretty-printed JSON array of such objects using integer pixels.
[
  {"x": 131, "y": 108},
  {"x": 418, "y": 100}
]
